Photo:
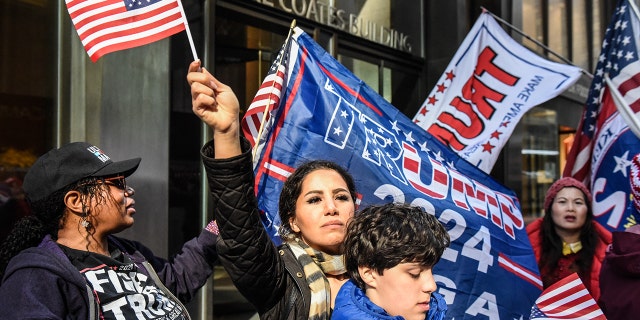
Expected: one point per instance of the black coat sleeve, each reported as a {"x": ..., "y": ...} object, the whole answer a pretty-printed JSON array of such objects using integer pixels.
[{"x": 244, "y": 247}]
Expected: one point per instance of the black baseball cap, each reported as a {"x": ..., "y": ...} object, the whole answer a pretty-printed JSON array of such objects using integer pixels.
[{"x": 70, "y": 163}]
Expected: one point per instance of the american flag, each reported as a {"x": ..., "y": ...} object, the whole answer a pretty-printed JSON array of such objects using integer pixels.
[
  {"x": 566, "y": 299},
  {"x": 268, "y": 96},
  {"x": 105, "y": 26},
  {"x": 618, "y": 59}
]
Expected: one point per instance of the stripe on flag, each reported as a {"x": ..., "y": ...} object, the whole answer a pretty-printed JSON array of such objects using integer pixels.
[
  {"x": 110, "y": 25},
  {"x": 268, "y": 93},
  {"x": 519, "y": 271},
  {"x": 267, "y": 97},
  {"x": 567, "y": 299},
  {"x": 278, "y": 170}
]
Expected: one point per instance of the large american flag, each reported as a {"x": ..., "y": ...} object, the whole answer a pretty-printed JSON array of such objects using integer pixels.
[
  {"x": 618, "y": 59},
  {"x": 105, "y": 26},
  {"x": 267, "y": 97},
  {"x": 566, "y": 299}
]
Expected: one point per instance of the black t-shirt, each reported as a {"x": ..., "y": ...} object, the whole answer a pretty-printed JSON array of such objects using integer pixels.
[{"x": 121, "y": 290}]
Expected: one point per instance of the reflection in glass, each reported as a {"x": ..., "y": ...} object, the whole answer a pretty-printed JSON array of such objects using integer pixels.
[{"x": 539, "y": 158}]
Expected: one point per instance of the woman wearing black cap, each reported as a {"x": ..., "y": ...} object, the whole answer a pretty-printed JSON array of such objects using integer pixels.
[{"x": 64, "y": 262}]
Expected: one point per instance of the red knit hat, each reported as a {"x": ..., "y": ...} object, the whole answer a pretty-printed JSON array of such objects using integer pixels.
[
  {"x": 634, "y": 181},
  {"x": 561, "y": 184}
]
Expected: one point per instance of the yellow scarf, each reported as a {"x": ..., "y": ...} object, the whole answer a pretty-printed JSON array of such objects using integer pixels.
[
  {"x": 315, "y": 265},
  {"x": 569, "y": 248}
]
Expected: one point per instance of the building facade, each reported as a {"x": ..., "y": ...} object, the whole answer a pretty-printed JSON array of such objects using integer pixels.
[{"x": 136, "y": 102}]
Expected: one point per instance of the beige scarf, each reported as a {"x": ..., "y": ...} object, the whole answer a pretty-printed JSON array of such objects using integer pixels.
[{"x": 315, "y": 265}]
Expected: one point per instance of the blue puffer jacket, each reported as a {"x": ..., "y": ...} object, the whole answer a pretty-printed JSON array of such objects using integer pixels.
[{"x": 351, "y": 303}]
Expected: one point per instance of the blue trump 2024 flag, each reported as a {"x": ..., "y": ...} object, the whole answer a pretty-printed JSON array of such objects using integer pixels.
[{"x": 325, "y": 112}]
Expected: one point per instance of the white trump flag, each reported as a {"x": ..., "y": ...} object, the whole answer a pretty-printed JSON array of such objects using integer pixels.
[{"x": 487, "y": 87}]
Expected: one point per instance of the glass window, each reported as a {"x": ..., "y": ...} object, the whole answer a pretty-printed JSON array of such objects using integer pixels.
[
  {"x": 405, "y": 89},
  {"x": 539, "y": 158},
  {"x": 27, "y": 88},
  {"x": 386, "y": 84},
  {"x": 366, "y": 71},
  {"x": 395, "y": 84}
]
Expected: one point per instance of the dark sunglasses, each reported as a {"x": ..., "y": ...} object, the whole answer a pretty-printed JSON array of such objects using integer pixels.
[{"x": 119, "y": 182}]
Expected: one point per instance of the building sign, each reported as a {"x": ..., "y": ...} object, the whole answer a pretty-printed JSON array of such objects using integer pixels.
[{"x": 356, "y": 24}]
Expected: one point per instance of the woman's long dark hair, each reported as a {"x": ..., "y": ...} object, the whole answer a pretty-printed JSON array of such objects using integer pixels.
[
  {"x": 551, "y": 250},
  {"x": 47, "y": 218}
]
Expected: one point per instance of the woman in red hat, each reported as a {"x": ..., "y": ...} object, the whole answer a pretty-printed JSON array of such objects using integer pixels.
[{"x": 567, "y": 239}]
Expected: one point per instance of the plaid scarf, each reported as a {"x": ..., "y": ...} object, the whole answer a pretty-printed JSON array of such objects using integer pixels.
[{"x": 315, "y": 265}]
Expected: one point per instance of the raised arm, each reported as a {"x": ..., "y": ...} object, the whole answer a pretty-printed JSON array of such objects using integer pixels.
[
  {"x": 217, "y": 106},
  {"x": 244, "y": 247}
]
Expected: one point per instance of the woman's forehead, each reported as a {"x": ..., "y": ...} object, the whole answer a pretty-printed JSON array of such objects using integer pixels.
[
  {"x": 573, "y": 191},
  {"x": 323, "y": 177}
]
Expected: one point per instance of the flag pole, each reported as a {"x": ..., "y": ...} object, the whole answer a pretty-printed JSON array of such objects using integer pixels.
[
  {"x": 266, "y": 107},
  {"x": 623, "y": 107},
  {"x": 186, "y": 28},
  {"x": 512, "y": 27},
  {"x": 634, "y": 7}
]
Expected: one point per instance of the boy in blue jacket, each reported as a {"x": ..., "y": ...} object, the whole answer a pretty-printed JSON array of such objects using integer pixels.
[{"x": 389, "y": 253}]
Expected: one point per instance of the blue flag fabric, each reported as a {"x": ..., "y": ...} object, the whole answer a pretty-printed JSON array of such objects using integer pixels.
[{"x": 326, "y": 112}]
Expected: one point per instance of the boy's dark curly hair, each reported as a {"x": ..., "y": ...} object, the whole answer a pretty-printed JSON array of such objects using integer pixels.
[{"x": 383, "y": 236}]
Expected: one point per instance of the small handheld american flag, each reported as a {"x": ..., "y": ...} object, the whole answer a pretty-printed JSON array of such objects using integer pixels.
[
  {"x": 566, "y": 299},
  {"x": 110, "y": 25}
]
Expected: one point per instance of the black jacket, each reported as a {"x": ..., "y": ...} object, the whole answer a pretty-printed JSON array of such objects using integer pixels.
[{"x": 271, "y": 278}]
